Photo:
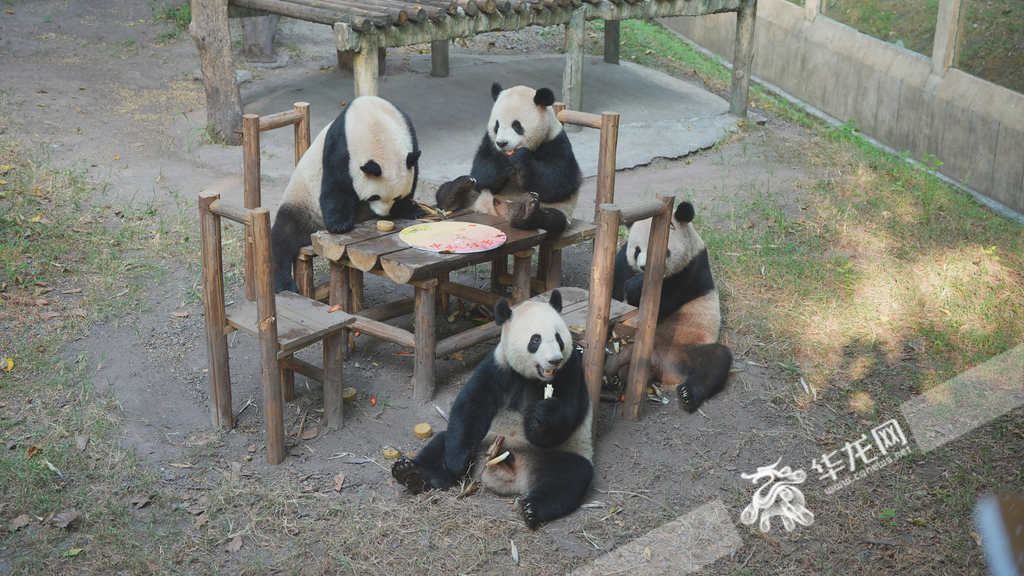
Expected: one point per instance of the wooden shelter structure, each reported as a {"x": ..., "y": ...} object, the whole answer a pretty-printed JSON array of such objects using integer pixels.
[{"x": 364, "y": 29}]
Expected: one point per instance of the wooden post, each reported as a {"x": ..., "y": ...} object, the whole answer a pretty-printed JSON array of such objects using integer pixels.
[
  {"x": 606, "y": 158},
  {"x": 251, "y": 189},
  {"x": 365, "y": 65},
  {"x": 382, "y": 60},
  {"x": 334, "y": 415},
  {"x": 439, "y": 58},
  {"x": 521, "y": 275},
  {"x": 209, "y": 31},
  {"x": 287, "y": 382},
  {"x": 602, "y": 267},
  {"x": 258, "y": 34},
  {"x": 266, "y": 314},
  {"x": 647, "y": 319},
  {"x": 811, "y": 9},
  {"x": 426, "y": 342},
  {"x": 550, "y": 268},
  {"x": 572, "y": 75},
  {"x": 611, "y": 41},
  {"x": 301, "y": 131},
  {"x": 341, "y": 294},
  {"x": 219, "y": 384},
  {"x": 745, "y": 17},
  {"x": 499, "y": 267},
  {"x": 946, "y": 47},
  {"x": 302, "y": 272}
]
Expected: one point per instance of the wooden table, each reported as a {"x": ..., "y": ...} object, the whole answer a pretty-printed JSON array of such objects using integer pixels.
[{"x": 366, "y": 249}]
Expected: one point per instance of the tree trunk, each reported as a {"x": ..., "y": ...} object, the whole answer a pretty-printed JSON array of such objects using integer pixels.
[
  {"x": 209, "y": 29},
  {"x": 258, "y": 38}
]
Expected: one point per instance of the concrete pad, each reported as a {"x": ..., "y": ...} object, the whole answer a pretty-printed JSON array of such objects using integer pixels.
[{"x": 660, "y": 116}]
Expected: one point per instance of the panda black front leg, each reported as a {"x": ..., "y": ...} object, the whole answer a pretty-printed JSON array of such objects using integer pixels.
[
  {"x": 561, "y": 482},
  {"x": 454, "y": 195},
  {"x": 405, "y": 208}
]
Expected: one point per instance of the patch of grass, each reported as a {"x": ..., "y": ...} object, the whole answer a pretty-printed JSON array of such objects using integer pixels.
[{"x": 177, "y": 14}]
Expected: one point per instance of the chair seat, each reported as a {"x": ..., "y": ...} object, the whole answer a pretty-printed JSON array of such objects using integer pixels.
[
  {"x": 300, "y": 321},
  {"x": 574, "y": 309}
]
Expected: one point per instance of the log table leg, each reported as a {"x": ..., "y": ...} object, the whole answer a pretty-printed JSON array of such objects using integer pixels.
[
  {"x": 552, "y": 275},
  {"x": 499, "y": 266},
  {"x": 342, "y": 295},
  {"x": 287, "y": 383},
  {"x": 426, "y": 341},
  {"x": 521, "y": 275}
]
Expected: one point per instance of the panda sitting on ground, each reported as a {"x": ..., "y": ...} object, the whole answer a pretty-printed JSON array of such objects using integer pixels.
[
  {"x": 686, "y": 350},
  {"x": 365, "y": 163},
  {"x": 524, "y": 170},
  {"x": 548, "y": 440}
]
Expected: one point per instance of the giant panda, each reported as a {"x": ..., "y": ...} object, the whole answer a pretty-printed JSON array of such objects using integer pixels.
[
  {"x": 365, "y": 163},
  {"x": 686, "y": 353},
  {"x": 524, "y": 169},
  {"x": 550, "y": 461}
]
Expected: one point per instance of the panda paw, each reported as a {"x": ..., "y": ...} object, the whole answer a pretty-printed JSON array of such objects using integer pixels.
[
  {"x": 529, "y": 514},
  {"x": 688, "y": 400},
  {"x": 523, "y": 213},
  {"x": 454, "y": 195},
  {"x": 409, "y": 475}
]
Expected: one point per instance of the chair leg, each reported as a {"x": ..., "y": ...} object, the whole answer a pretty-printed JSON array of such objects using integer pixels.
[
  {"x": 303, "y": 272},
  {"x": 333, "y": 404},
  {"x": 426, "y": 342},
  {"x": 287, "y": 382},
  {"x": 521, "y": 275}
]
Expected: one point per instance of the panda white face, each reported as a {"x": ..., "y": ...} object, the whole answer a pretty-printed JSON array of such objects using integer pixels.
[
  {"x": 522, "y": 116},
  {"x": 381, "y": 157},
  {"x": 683, "y": 242},
  {"x": 535, "y": 341}
]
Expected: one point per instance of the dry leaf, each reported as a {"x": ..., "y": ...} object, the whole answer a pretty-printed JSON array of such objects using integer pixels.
[
  {"x": 82, "y": 441},
  {"x": 20, "y": 522},
  {"x": 181, "y": 464},
  {"x": 202, "y": 520},
  {"x": 180, "y": 314},
  {"x": 7, "y": 364},
  {"x": 64, "y": 518},
  {"x": 195, "y": 509},
  {"x": 36, "y": 218},
  {"x": 140, "y": 501},
  {"x": 647, "y": 553},
  {"x": 338, "y": 481},
  {"x": 235, "y": 545},
  {"x": 32, "y": 451},
  {"x": 73, "y": 552},
  {"x": 251, "y": 449},
  {"x": 78, "y": 312},
  {"x": 153, "y": 566},
  {"x": 310, "y": 433}
]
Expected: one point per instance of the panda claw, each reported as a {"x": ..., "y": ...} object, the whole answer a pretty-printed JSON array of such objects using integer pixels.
[
  {"x": 409, "y": 475},
  {"x": 687, "y": 401},
  {"x": 523, "y": 211},
  {"x": 529, "y": 515}
]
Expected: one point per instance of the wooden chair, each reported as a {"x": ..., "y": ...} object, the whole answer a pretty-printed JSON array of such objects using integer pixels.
[
  {"x": 590, "y": 313},
  {"x": 252, "y": 125},
  {"x": 549, "y": 255},
  {"x": 284, "y": 323}
]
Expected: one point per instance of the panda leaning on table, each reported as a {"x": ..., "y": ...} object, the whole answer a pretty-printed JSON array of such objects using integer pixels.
[
  {"x": 363, "y": 165},
  {"x": 548, "y": 439},
  {"x": 686, "y": 353}
]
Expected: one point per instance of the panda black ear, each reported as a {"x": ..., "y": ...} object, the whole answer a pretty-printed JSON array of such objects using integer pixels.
[
  {"x": 412, "y": 158},
  {"x": 502, "y": 312},
  {"x": 556, "y": 301},
  {"x": 684, "y": 212},
  {"x": 544, "y": 97},
  {"x": 495, "y": 90},
  {"x": 371, "y": 167}
]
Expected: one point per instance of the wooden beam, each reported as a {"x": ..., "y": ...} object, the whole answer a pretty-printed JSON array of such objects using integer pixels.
[
  {"x": 742, "y": 58},
  {"x": 572, "y": 75},
  {"x": 946, "y": 46}
]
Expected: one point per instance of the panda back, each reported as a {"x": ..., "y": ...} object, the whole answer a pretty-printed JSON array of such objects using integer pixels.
[{"x": 303, "y": 189}]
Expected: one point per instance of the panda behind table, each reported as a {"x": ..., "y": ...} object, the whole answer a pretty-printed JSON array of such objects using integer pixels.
[
  {"x": 686, "y": 353},
  {"x": 549, "y": 441},
  {"x": 524, "y": 170},
  {"x": 362, "y": 165}
]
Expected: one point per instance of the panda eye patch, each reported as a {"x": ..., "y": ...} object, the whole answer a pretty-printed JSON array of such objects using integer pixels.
[
  {"x": 561, "y": 345},
  {"x": 534, "y": 344},
  {"x": 668, "y": 254},
  {"x": 518, "y": 128},
  {"x": 495, "y": 125},
  {"x": 636, "y": 253}
]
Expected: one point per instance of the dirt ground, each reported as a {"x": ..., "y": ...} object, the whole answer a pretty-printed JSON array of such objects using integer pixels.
[{"x": 92, "y": 80}]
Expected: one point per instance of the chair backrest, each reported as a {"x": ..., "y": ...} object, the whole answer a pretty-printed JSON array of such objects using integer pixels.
[
  {"x": 602, "y": 272},
  {"x": 608, "y": 124},
  {"x": 252, "y": 125}
]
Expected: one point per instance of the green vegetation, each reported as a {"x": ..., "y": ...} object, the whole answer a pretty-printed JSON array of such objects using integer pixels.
[{"x": 177, "y": 14}]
